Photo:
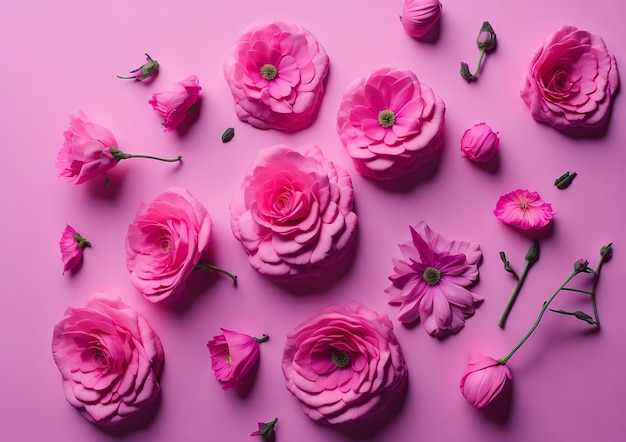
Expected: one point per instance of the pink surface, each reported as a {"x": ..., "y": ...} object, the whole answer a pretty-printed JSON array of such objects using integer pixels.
[{"x": 60, "y": 57}]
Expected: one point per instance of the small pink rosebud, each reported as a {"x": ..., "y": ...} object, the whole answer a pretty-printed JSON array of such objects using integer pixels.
[
  {"x": 486, "y": 37},
  {"x": 233, "y": 355},
  {"x": 71, "y": 245},
  {"x": 483, "y": 380},
  {"x": 144, "y": 71},
  {"x": 266, "y": 430},
  {"x": 419, "y": 16},
  {"x": 479, "y": 143},
  {"x": 175, "y": 101}
]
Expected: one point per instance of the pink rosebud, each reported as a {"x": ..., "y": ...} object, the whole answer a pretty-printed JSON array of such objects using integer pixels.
[
  {"x": 144, "y": 71},
  {"x": 176, "y": 101},
  {"x": 266, "y": 430},
  {"x": 419, "y": 16},
  {"x": 72, "y": 245},
  {"x": 483, "y": 380},
  {"x": 524, "y": 210},
  {"x": 86, "y": 152},
  {"x": 233, "y": 355},
  {"x": 479, "y": 143}
]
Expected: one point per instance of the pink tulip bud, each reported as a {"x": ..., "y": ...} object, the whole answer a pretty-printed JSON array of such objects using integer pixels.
[
  {"x": 419, "y": 16},
  {"x": 483, "y": 380},
  {"x": 479, "y": 143}
]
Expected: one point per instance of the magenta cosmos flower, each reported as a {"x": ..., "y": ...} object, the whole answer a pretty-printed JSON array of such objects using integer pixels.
[
  {"x": 419, "y": 16},
  {"x": 344, "y": 364},
  {"x": 72, "y": 245},
  {"x": 430, "y": 281},
  {"x": 571, "y": 80},
  {"x": 174, "y": 102},
  {"x": 390, "y": 123},
  {"x": 483, "y": 380},
  {"x": 276, "y": 74},
  {"x": 295, "y": 214},
  {"x": 524, "y": 210},
  {"x": 109, "y": 358},
  {"x": 233, "y": 355}
]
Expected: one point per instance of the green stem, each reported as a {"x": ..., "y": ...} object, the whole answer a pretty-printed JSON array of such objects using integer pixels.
[
  {"x": 202, "y": 265},
  {"x": 119, "y": 155},
  {"x": 532, "y": 329},
  {"x": 263, "y": 338},
  {"x": 586, "y": 292},
  {"x": 480, "y": 60},
  {"x": 513, "y": 297},
  {"x": 596, "y": 278}
]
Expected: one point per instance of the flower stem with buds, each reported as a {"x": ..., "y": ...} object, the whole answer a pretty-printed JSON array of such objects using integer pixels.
[{"x": 531, "y": 257}]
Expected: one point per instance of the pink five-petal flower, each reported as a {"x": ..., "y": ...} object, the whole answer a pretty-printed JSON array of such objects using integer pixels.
[
  {"x": 109, "y": 358},
  {"x": 390, "y": 123},
  {"x": 483, "y": 380},
  {"x": 524, "y": 210},
  {"x": 571, "y": 80},
  {"x": 176, "y": 101},
  {"x": 276, "y": 75},
  {"x": 71, "y": 245},
  {"x": 344, "y": 364},
  {"x": 233, "y": 355},
  {"x": 430, "y": 281},
  {"x": 86, "y": 151},
  {"x": 419, "y": 16}
]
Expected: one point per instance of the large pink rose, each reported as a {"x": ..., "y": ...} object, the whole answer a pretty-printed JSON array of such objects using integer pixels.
[
  {"x": 295, "y": 214},
  {"x": 165, "y": 243},
  {"x": 390, "y": 123},
  {"x": 570, "y": 80},
  {"x": 276, "y": 74},
  {"x": 109, "y": 358},
  {"x": 344, "y": 364}
]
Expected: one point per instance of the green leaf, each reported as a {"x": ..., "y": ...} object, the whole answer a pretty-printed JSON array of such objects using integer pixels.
[{"x": 578, "y": 314}]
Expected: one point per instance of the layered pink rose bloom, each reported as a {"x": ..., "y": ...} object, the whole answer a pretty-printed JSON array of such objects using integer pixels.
[
  {"x": 524, "y": 209},
  {"x": 295, "y": 214},
  {"x": 390, "y": 123},
  {"x": 233, "y": 355},
  {"x": 483, "y": 380},
  {"x": 109, "y": 358},
  {"x": 71, "y": 245},
  {"x": 571, "y": 80},
  {"x": 86, "y": 151},
  {"x": 479, "y": 143},
  {"x": 344, "y": 364},
  {"x": 174, "y": 102},
  {"x": 419, "y": 16},
  {"x": 165, "y": 242},
  {"x": 276, "y": 74},
  {"x": 430, "y": 281}
]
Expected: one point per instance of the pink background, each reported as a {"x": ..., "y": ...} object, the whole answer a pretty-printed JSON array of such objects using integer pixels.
[{"x": 62, "y": 56}]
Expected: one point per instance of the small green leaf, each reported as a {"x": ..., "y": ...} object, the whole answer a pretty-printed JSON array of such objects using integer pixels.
[
  {"x": 565, "y": 180},
  {"x": 228, "y": 135}
]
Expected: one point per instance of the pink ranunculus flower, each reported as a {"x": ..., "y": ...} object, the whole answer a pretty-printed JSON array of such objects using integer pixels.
[
  {"x": 233, "y": 355},
  {"x": 430, "y": 281},
  {"x": 419, "y": 16},
  {"x": 295, "y": 214},
  {"x": 176, "y": 101},
  {"x": 86, "y": 151},
  {"x": 571, "y": 80},
  {"x": 390, "y": 123},
  {"x": 483, "y": 380},
  {"x": 109, "y": 358},
  {"x": 166, "y": 242},
  {"x": 276, "y": 74},
  {"x": 344, "y": 364},
  {"x": 72, "y": 245},
  {"x": 479, "y": 143},
  {"x": 524, "y": 210}
]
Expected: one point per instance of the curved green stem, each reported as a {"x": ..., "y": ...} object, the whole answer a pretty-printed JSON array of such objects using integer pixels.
[
  {"x": 480, "y": 61},
  {"x": 202, "y": 265},
  {"x": 119, "y": 155}
]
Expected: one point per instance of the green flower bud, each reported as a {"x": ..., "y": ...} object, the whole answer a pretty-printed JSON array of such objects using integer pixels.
[{"x": 486, "y": 39}]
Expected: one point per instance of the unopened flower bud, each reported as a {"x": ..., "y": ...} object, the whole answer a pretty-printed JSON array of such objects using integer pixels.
[
  {"x": 479, "y": 143},
  {"x": 533, "y": 252},
  {"x": 465, "y": 72},
  {"x": 419, "y": 16},
  {"x": 606, "y": 250},
  {"x": 581, "y": 265},
  {"x": 144, "y": 71},
  {"x": 486, "y": 37}
]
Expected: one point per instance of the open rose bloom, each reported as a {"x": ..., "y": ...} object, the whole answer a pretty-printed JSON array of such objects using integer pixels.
[
  {"x": 523, "y": 209},
  {"x": 174, "y": 102},
  {"x": 276, "y": 74},
  {"x": 344, "y": 364},
  {"x": 390, "y": 123},
  {"x": 165, "y": 242},
  {"x": 86, "y": 151},
  {"x": 233, "y": 355},
  {"x": 295, "y": 214},
  {"x": 109, "y": 358},
  {"x": 571, "y": 80},
  {"x": 483, "y": 380},
  {"x": 430, "y": 281}
]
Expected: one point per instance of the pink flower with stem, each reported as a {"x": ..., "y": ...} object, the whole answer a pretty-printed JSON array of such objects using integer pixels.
[
  {"x": 176, "y": 102},
  {"x": 430, "y": 281},
  {"x": 144, "y": 71},
  {"x": 523, "y": 209},
  {"x": 233, "y": 355},
  {"x": 90, "y": 150},
  {"x": 72, "y": 245}
]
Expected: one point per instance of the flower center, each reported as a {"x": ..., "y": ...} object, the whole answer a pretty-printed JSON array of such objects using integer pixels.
[
  {"x": 432, "y": 276},
  {"x": 386, "y": 118},
  {"x": 269, "y": 72},
  {"x": 229, "y": 358},
  {"x": 523, "y": 203},
  {"x": 340, "y": 358}
]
